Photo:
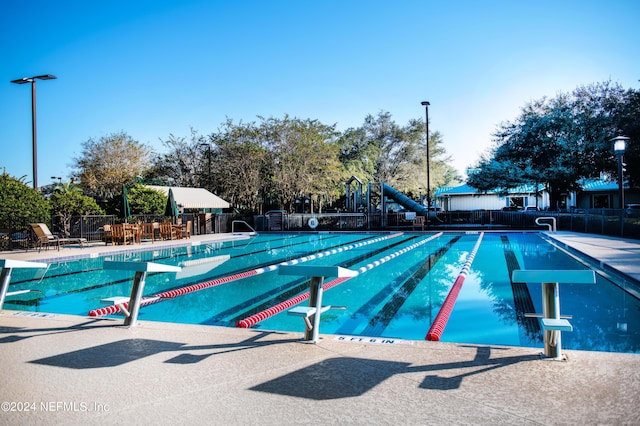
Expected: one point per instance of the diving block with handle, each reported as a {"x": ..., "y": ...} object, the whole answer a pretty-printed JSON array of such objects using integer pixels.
[
  {"x": 7, "y": 265},
  {"x": 140, "y": 269},
  {"x": 554, "y": 276},
  {"x": 316, "y": 271},
  {"x": 556, "y": 324},
  {"x": 305, "y": 312},
  {"x": 552, "y": 323},
  {"x": 554, "y": 327},
  {"x": 315, "y": 308}
]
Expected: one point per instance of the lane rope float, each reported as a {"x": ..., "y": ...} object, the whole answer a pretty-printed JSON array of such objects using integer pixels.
[
  {"x": 170, "y": 294},
  {"x": 440, "y": 322},
  {"x": 276, "y": 309}
]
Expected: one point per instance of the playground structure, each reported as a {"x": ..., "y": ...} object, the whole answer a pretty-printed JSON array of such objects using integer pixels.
[
  {"x": 376, "y": 200},
  {"x": 366, "y": 207}
]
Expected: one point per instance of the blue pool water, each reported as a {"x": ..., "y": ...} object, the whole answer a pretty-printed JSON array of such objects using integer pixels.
[{"x": 399, "y": 298}]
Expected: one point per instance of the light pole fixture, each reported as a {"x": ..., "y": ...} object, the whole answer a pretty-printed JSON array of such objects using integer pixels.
[
  {"x": 619, "y": 146},
  {"x": 34, "y": 136},
  {"x": 426, "y": 125},
  {"x": 208, "y": 146}
]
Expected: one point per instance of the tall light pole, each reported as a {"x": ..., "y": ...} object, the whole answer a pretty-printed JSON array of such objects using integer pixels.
[
  {"x": 619, "y": 146},
  {"x": 34, "y": 136},
  {"x": 426, "y": 125},
  {"x": 208, "y": 146}
]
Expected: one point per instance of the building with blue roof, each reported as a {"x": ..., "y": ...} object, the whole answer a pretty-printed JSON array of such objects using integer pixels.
[{"x": 595, "y": 193}]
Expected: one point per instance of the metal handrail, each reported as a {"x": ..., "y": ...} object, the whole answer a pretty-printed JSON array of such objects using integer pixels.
[
  {"x": 233, "y": 227},
  {"x": 552, "y": 225}
]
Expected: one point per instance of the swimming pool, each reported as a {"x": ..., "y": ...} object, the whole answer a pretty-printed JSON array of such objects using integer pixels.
[{"x": 399, "y": 297}]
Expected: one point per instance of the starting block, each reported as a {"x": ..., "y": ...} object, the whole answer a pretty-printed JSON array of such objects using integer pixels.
[
  {"x": 305, "y": 312},
  {"x": 317, "y": 273},
  {"x": 556, "y": 324},
  {"x": 141, "y": 269},
  {"x": 6, "y": 266},
  {"x": 552, "y": 323}
]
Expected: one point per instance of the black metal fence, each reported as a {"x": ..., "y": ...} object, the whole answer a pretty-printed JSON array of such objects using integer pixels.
[
  {"x": 91, "y": 227},
  {"x": 611, "y": 222},
  {"x": 595, "y": 221}
]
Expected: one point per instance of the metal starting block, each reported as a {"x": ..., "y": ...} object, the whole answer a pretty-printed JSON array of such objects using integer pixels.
[{"x": 317, "y": 273}]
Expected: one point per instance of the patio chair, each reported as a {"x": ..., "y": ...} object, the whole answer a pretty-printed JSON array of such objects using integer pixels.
[
  {"x": 186, "y": 230},
  {"x": 418, "y": 222},
  {"x": 168, "y": 231},
  {"x": 147, "y": 230},
  {"x": 107, "y": 236},
  {"x": 122, "y": 235},
  {"x": 44, "y": 237}
]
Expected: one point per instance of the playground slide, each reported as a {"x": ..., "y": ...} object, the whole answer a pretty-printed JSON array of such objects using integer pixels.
[{"x": 403, "y": 200}]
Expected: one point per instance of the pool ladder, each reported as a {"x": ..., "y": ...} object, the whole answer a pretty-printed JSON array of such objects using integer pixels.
[
  {"x": 233, "y": 228},
  {"x": 552, "y": 225}
]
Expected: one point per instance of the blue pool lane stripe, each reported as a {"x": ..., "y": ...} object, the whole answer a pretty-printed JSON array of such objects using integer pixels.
[
  {"x": 272, "y": 297},
  {"x": 521, "y": 297},
  {"x": 276, "y": 309},
  {"x": 400, "y": 290},
  {"x": 35, "y": 301},
  {"x": 174, "y": 256},
  {"x": 187, "y": 289}
]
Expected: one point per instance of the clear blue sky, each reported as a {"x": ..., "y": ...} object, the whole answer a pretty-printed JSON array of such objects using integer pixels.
[{"x": 153, "y": 68}]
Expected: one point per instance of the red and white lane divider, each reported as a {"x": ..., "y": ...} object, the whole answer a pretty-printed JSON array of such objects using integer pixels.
[
  {"x": 440, "y": 322},
  {"x": 113, "y": 309},
  {"x": 276, "y": 309}
]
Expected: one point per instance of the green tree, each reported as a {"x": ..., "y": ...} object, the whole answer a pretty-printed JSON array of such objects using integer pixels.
[
  {"x": 67, "y": 201},
  {"x": 239, "y": 160},
  {"x": 603, "y": 111},
  {"x": 276, "y": 161},
  {"x": 559, "y": 141},
  {"x": 628, "y": 123},
  {"x": 304, "y": 159},
  {"x": 106, "y": 164},
  {"x": 181, "y": 165},
  {"x": 21, "y": 205},
  {"x": 402, "y": 155},
  {"x": 358, "y": 156},
  {"x": 144, "y": 200}
]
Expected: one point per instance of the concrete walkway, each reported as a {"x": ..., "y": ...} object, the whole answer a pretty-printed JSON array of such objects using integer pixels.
[
  {"x": 60, "y": 369},
  {"x": 620, "y": 254},
  {"x": 99, "y": 248},
  {"x": 71, "y": 370}
]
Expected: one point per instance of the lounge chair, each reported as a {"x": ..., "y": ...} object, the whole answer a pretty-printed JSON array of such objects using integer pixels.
[{"x": 44, "y": 237}]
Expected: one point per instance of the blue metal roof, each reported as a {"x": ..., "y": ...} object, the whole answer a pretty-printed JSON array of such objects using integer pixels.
[
  {"x": 588, "y": 185},
  {"x": 598, "y": 185},
  {"x": 465, "y": 189}
]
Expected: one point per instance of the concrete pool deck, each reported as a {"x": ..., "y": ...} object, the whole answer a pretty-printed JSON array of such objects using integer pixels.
[{"x": 62, "y": 369}]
